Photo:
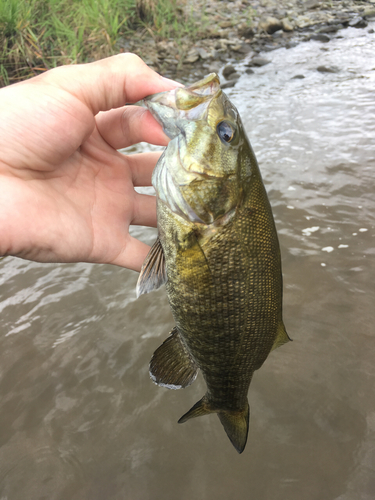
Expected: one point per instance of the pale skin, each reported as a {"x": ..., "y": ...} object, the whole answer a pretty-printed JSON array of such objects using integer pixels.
[{"x": 66, "y": 193}]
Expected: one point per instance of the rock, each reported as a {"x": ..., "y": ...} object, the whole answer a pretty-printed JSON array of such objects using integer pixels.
[
  {"x": 203, "y": 53},
  {"x": 312, "y": 4},
  {"x": 270, "y": 25},
  {"x": 287, "y": 25},
  {"x": 328, "y": 69},
  {"x": 233, "y": 76},
  {"x": 298, "y": 77},
  {"x": 303, "y": 22},
  {"x": 246, "y": 48},
  {"x": 332, "y": 28},
  {"x": 369, "y": 12},
  {"x": 192, "y": 56},
  {"x": 228, "y": 70},
  {"x": 371, "y": 31},
  {"x": 258, "y": 61},
  {"x": 245, "y": 31},
  {"x": 290, "y": 45},
  {"x": 320, "y": 37},
  {"x": 269, "y": 48},
  {"x": 237, "y": 47},
  {"x": 212, "y": 33},
  {"x": 214, "y": 67},
  {"x": 249, "y": 71},
  {"x": 358, "y": 22},
  {"x": 228, "y": 85},
  {"x": 226, "y": 24}
]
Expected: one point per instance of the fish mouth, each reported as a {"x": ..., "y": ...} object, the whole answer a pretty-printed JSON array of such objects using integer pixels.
[
  {"x": 183, "y": 104},
  {"x": 185, "y": 174}
]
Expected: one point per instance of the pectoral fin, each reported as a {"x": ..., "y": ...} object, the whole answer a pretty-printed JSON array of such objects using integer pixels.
[
  {"x": 282, "y": 337},
  {"x": 153, "y": 273},
  {"x": 171, "y": 365}
]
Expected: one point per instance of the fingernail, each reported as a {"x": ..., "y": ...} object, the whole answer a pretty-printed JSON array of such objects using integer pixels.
[{"x": 173, "y": 82}]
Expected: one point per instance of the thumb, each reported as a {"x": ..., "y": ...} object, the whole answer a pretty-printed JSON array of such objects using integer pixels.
[{"x": 111, "y": 82}]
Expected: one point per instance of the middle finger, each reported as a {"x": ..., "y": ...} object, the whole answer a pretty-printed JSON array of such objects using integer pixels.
[{"x": 123, "y": 127}]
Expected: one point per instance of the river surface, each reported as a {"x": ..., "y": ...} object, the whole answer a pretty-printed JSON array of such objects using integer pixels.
[{"x": 80, "y": 418}]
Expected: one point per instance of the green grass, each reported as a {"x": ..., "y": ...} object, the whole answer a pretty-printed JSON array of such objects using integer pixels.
[{"x": 36, "y": 35}]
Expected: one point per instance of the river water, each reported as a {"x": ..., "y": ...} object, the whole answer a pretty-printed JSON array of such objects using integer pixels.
[{"x": 79, "y": 416}]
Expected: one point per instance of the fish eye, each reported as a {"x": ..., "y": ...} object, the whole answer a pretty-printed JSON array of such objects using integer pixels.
[{"x": 225, "y": 131}]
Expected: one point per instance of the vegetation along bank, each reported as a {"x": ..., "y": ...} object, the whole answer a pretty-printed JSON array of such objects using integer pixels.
[{"x": 180, "y": 39}]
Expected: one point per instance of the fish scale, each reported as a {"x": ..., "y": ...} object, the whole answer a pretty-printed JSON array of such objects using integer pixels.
[{"x": 219, "y": 248}]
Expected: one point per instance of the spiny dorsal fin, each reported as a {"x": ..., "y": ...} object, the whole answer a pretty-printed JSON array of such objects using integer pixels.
[
  {"x": 282, "y": 337},
  {"x": 171, "y": 365},
  {"x": 153, "y": 273},
  {"x": 236, "y": 425}
]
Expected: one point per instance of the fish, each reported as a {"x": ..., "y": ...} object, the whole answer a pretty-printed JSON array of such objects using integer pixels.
[{"x": 217, "y": 253}]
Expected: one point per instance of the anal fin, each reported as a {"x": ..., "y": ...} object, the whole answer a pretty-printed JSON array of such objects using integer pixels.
[
  {"x": 282, "y": 337},
  {"x": 153, "y": 273},
  {"x": 198, "y": 410},
  {"x": 171, "y": 365}
]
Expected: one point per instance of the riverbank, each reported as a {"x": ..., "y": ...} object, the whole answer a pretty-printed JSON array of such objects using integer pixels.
[
  {"x": 190, "y": 37},
  {"x": 237, "y": 29}
]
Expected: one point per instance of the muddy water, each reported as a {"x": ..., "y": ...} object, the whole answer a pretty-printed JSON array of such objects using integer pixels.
[{"x": 79, "y": 417}]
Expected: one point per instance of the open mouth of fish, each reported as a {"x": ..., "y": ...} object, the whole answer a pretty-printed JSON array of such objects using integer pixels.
[{"x": 189, "y": 117}]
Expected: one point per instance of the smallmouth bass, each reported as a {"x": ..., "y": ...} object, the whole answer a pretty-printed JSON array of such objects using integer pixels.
[{"x": 217, "y": 252}]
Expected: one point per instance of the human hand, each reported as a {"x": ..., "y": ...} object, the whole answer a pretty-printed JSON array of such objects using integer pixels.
[{"x": 66, "y": 193}]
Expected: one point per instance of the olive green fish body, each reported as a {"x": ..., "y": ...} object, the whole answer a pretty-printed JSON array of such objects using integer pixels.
[{"x": 218, "y": 255}]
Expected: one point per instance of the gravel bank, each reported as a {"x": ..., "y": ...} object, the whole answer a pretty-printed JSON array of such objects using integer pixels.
[{"x": 232, "y": 30}]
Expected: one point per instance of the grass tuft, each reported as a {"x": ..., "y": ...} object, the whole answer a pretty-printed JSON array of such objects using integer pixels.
[{"x": 36, "y": 35}]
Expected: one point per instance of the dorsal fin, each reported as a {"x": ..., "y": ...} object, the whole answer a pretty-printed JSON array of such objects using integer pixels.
[
  {"x": 282, "y": 337},
  {"x": 171, "y": 365},
  {"x": 153, "y": 273}
]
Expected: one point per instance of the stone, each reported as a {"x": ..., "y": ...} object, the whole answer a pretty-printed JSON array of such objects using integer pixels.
[
  {"x": 192, "y": 56},
  {"x": 312, "y": 4},
  {"x": 228, "y": 70},
  {"x": 328, "y": 69},
  {"x": 226, "y": 24},
  {"x": 228, "y": 85},
  {"x": 270, "y": 25},
  {"x": 320, "y": 37},
  {"x": 332, "y": 28},
  {"x": 303, "y": 22},
  {"x": 246, "y": 48},
  {"x": 258, "y": 61},
  {"x": 249, "y": 71},
  {"x": 203, "y": 54},
  {"x": 214, "y": 67},
  {"x": 233, "y": 76},
  {"x": 298, "y": 77},
  {"x": 358, "y": 22},
  {"x": 245, "y": 31},
  {"x": 287, "y": 25}
]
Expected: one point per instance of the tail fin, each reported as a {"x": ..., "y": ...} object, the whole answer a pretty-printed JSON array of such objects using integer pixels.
[{"x": 235, "y": 423}]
